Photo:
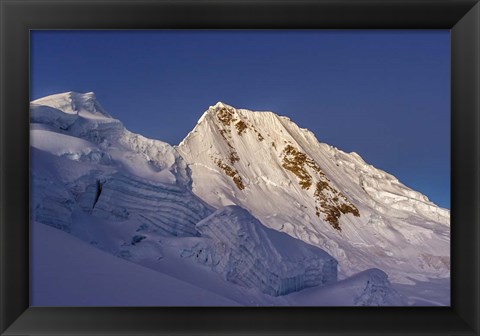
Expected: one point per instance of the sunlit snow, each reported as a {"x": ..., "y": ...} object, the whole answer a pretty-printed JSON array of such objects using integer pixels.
[{"x": 223, "y": 218}]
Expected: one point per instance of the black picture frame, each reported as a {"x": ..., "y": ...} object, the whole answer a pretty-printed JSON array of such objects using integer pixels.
[{"x": 17, "y": 17}]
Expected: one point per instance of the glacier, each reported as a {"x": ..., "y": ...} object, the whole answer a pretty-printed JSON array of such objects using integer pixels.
[
  {"x": 82, "y": 158},
  {"x": 248, "y": 207},
  {"x": 236, "y": 245}
]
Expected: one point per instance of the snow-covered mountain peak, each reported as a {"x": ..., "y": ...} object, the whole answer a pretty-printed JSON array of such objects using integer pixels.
[
  {"x": 247, "y": 124},
  {"x": 238, "y": 130},
  {"x": 291, "y": 182},
  {"x": 84, "y": 104},
  {"x": 218, "y": 105}
]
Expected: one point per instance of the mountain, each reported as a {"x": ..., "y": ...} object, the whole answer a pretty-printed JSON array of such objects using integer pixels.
[
  {"x": 249, "y": 209},
  {"x": 363, "y": 216},
  {"x": 84, "y": 162}
]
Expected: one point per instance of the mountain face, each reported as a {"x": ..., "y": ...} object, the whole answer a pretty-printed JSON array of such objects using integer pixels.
[
  {"x": 248, "y": 207},
  {"x": 292, "y": 183}
]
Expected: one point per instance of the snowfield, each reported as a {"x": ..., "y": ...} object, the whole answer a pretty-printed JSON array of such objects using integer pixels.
[
  {"x": 247, "y": 210},
  {"x": 62, "y": 266}
]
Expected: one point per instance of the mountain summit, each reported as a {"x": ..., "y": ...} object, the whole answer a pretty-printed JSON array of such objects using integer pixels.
[
  {"x": 84, "y": 104},
  {"x": 317, "y": 193}
]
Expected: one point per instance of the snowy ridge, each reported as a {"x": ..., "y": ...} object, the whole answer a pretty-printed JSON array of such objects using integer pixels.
[
  {"x": 363, "y": 216},
  {"x": 85, "y": 105},
  {"x": 80, "y": 127}
]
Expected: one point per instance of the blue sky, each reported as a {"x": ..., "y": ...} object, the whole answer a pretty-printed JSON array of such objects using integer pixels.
[{"x": 383, "y": 94}]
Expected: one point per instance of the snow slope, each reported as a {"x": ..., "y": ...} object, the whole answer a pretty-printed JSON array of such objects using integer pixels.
[
  {"x": 66, "y": 271},
  {"x": 364, "y": 217},
  {"x": 69, "y": 272}
]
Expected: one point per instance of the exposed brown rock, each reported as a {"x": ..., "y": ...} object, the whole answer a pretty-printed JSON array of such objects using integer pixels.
[
  {"x": 294, "y": 161},
  {"x": 329, "y": 201},
  {"x": 229, "y": 171},
  {"x": 241, "y": 127},
  {"x": 233, "y": 157},
  {"x": 333, "y": 207},
  {"x": 259, "y": 136},
  {"x": 346, "y": 208},
  {"x": 225, "y": 115}
]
